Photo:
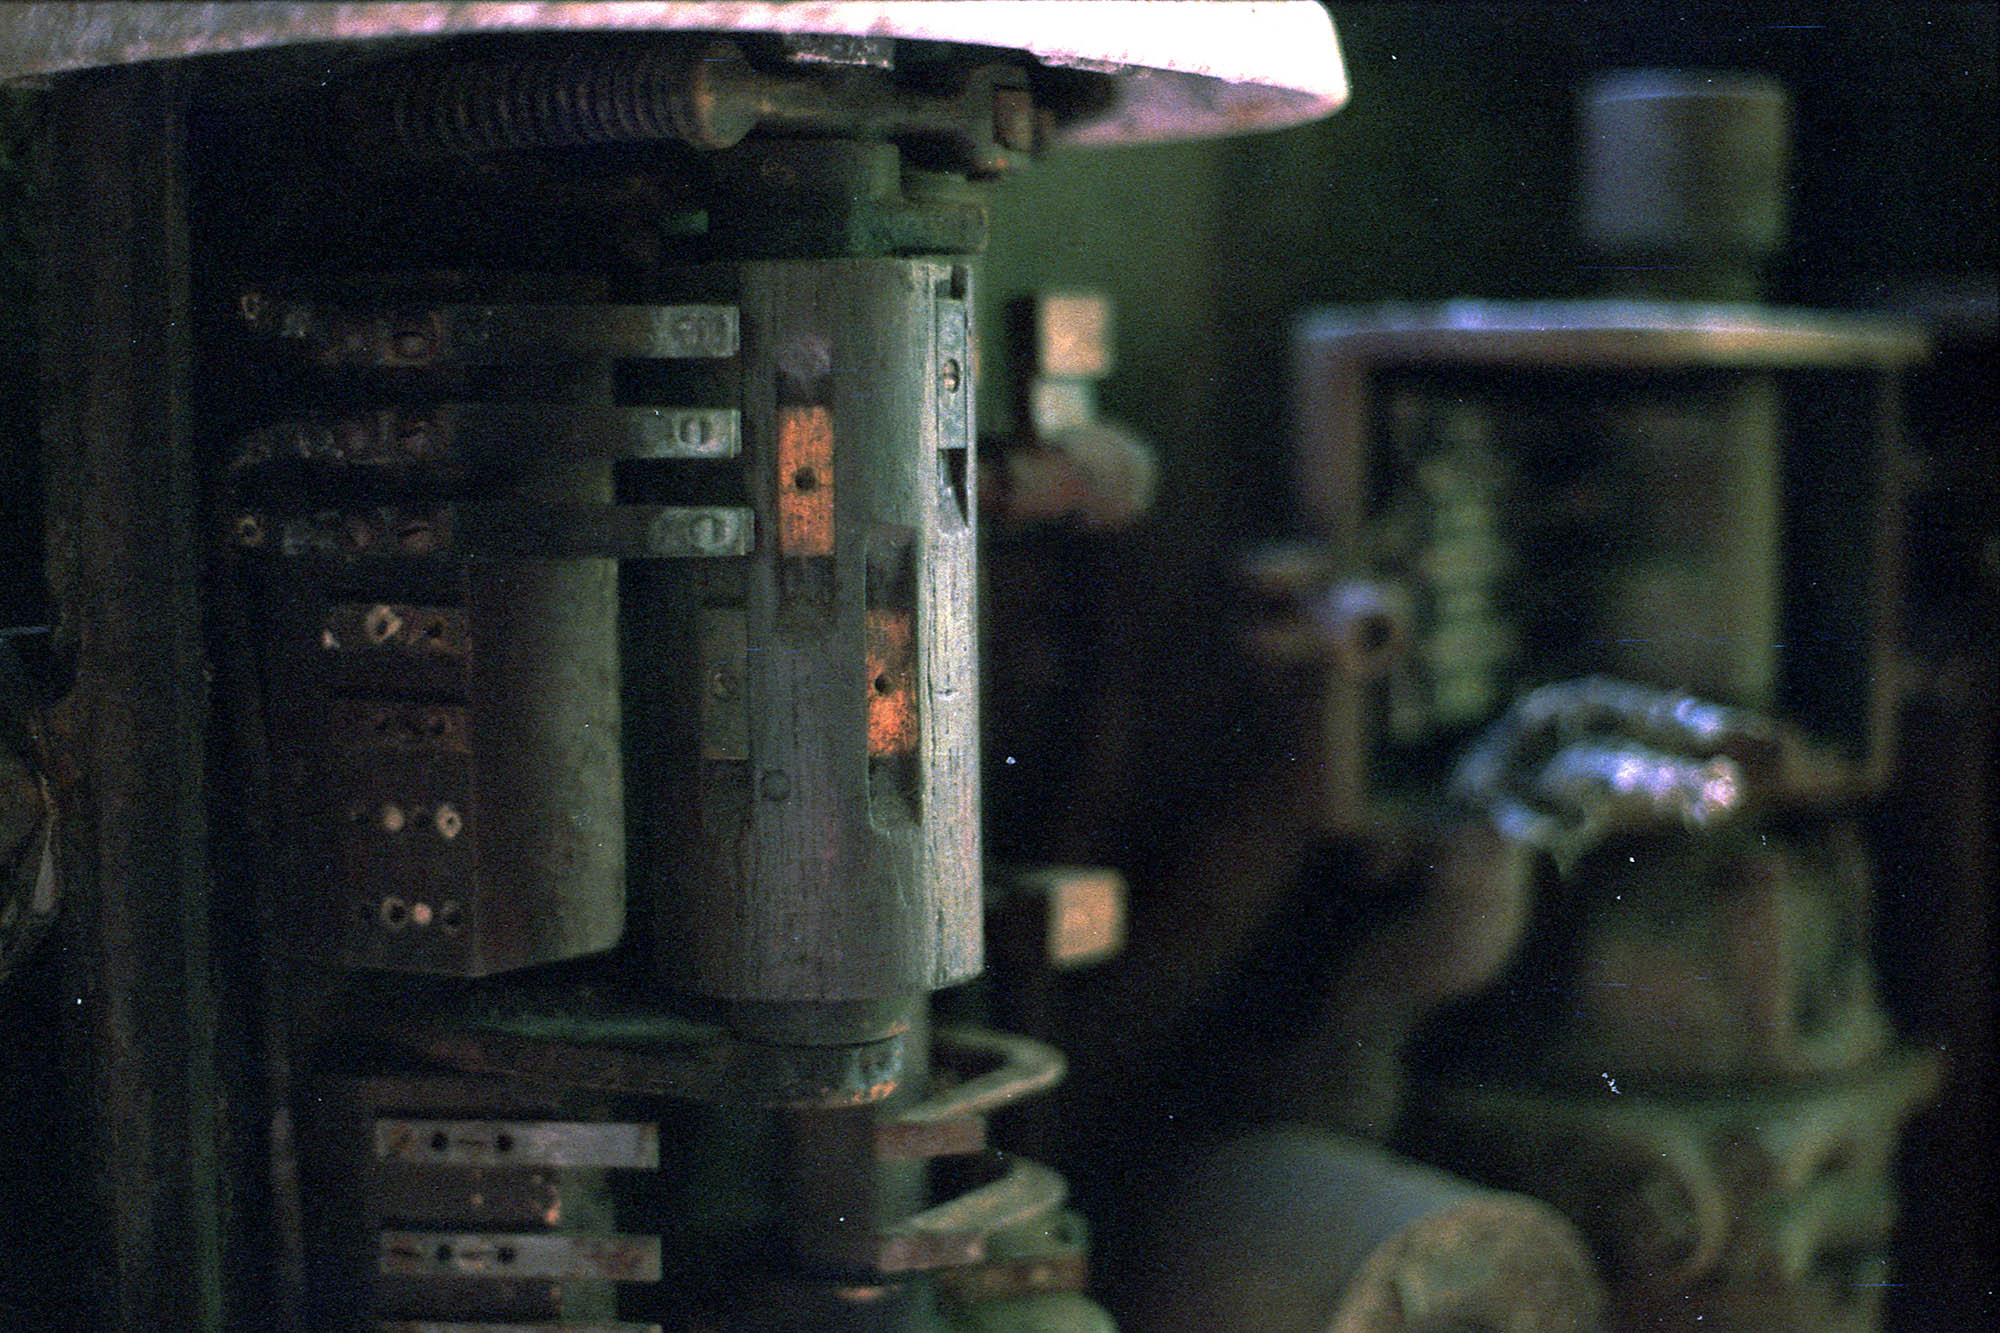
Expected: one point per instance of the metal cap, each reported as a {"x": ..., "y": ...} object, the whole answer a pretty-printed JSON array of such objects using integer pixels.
[{"x": 1685, "y": 162}]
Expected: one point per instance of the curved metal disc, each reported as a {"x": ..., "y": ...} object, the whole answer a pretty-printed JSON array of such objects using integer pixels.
[{"x": 1180, "y": 71}]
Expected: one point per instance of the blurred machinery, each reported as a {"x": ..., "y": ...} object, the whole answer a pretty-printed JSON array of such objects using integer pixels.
[
  {"x": 1631, "y": 970},
  {"x": 503, "y": 773}
]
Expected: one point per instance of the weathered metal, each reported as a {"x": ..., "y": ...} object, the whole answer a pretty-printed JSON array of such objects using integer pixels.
[
  {"x": 1165, "y": 73},
  {"x": 452, "y": 793},
  {"x": 850, "y": 828},
  {"x": 1685, "y": 176},
  {"x": 1291, "y": 1230},
  {"x": 1495, "y": 471},
  {"x": 1687, "y": 1056},
  {"x": 658, "y": 1055},
  {"x": 1727, "y": 1206}
]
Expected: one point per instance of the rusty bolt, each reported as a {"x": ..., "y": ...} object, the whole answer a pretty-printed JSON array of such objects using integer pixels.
[{"x": 707, "y": 532}]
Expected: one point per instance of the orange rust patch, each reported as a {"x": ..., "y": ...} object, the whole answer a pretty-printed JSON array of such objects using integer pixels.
[
  {"x": 892, "y": 684},
  {"x": 805, "y": 481}
]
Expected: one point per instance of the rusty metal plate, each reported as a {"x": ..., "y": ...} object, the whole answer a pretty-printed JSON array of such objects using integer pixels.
[
  {"x": 520, "y": 1254},
  {"x": 631, "y": 1147},
  {"x": 1174, "y": 71},
  {"x": 892, "y": 684},
  {"x": 459, "y": 1326},
  {"x": 805, "y": 481},
  {"x": 486, "y": 335}
]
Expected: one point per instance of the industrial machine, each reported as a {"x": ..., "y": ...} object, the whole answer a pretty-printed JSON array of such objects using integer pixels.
[
  {"x": 558, "y": 775},
  {"x": 502, "y": 775}
]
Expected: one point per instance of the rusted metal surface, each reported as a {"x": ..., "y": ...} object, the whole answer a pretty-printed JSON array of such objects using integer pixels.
[
  {"x": 850, "y": 829},
  {"x": 952, "y": 1119},
  {"x": 1300, "y": 1231},
  {"x": 659, "y": 1055},
  {"x": 1172, "y": 72},
  {"x": 805, "y": 480},
  {"x": 529, "y": 1255},
  {"x": 960, "y": 1230},
  {"x": 1733, "y": 1207},
  {"x": 1709, "y": 1088}
]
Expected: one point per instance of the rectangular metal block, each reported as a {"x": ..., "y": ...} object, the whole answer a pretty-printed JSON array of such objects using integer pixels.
[
  {"x": 627, "y": 1146},
  {"x": 554, "y": 1257},
  {"x": 805, "y": 481}
]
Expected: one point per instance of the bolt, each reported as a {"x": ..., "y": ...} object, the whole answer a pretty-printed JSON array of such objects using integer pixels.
[
  {"x": 449, "y": 822},
  {"x": 707, "y": 532},
  {"x": 392, "y": 818},
  {"x": 248, "y": 530},
  {"x": 723, "y": 684},
  {"x": 253, "y": 307},
  {"x": 420, "y": 913},
  {"x": 383, "y": 624},
  {"x": 950, "y": 375}
]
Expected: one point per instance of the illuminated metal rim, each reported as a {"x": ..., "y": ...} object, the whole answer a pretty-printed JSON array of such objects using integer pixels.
[
  {"x": 1184, "y": 68},
  {"x": 1613, "y": 334}
]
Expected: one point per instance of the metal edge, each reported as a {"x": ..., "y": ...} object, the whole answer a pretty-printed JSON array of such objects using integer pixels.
[{"x": 1184, "y": 70}]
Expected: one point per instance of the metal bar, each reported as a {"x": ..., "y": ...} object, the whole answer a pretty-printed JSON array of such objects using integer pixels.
[
  {"x": 504, "y": 532},
  {"x": 446, "y": 1326},
  {"x": 485, "y": 335},
  {"x": 633, "y": 1147},
  {"x": 659, "y": 1055},
  {"x": 520, "y": 1254},
  {"x": 484, "y": 433}
]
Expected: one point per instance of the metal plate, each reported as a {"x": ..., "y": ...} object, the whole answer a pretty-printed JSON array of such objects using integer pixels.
[
  {"x": 487, "y": 335},
  {"x": 1176, "y": 71},
  {"x": 521, "y": 1254},
  {"x": 436, "y": 1326},
  {"x": 632, "y": 1147},
  {"x": 503, "y": 531}
]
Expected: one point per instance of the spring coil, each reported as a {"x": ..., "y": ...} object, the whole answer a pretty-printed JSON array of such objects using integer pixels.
[{"x": 470, "y": 108}]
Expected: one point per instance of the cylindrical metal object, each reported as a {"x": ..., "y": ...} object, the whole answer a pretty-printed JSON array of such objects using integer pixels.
[
  {"x": 1295, "y": 1230},
  {"x": 832, "y": 850},
  {"x": 1685, "y": 162}
]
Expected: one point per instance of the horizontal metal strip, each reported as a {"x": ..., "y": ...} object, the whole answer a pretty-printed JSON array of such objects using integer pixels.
[
  {"x": 456, "y": 435},
  {"x": 417, "y": 336},
  {"x": 519, "y": 1143},
  {"x": 651, "y": 1054},
  {"x": 520, "y": 1254},
  {"x": 504, "y": 531},
  {"x": 436, "y": 1326},
  {"x": 484, "y": 430}
]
